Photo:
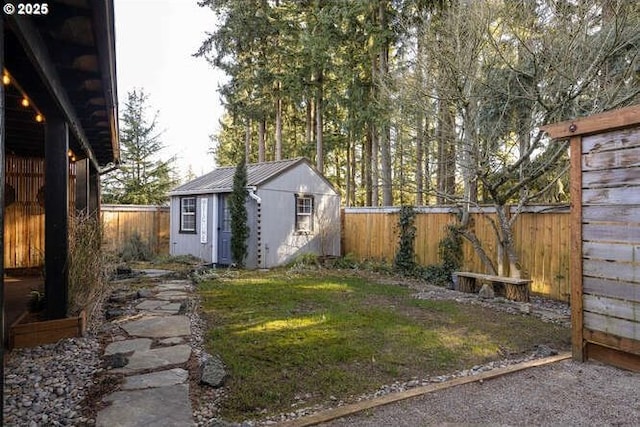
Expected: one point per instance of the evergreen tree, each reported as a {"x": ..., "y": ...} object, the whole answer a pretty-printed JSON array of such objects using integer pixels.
[
  {"x": 142, "y": 178},
  {"x": 238, "y": 210}
]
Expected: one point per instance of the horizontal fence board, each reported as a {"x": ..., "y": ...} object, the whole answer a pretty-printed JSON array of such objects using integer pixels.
[
  {"x": 611, "y": 159},
  {"x": 611, "y": 251},
  {"x": 611, "y": 232},
  {"x": 612, "y": 307},
  {"x": 611, "y": 288},
  {"x": 620, "y": 213},
  {"x": 611, "y": 177},
  {"x": 629, "y": 195},
  {"x": 541, "y": 235},
  {"x": 618, "y": 327},
  {"x": 611, "y": 270},
  {"x": 611, "y": 141}
]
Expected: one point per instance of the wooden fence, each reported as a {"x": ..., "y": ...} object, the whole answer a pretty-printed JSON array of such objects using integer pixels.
[
  {"x": 121, "y": 222},
  {"x": 24, "y": 211},
  {"x": 541, "y": 236}
]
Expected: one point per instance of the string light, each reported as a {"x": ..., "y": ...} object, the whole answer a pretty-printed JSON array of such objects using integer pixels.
[{"x": 25, "y": 101}]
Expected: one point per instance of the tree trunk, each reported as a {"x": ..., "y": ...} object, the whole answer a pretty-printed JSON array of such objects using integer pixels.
[
  {"x": 308, "y": 129},
  {"x": 247, "y": 140},
  {"x": 374, "y": 167},
  {"x": 261, "y": 143},
  {"x": 367, "y": 172},
  {"x": 319, "y": 134},
  {"x": 419, "y": 159},
  {"x": 278, "y": 155},
  {"x": 385, "y": 133}
]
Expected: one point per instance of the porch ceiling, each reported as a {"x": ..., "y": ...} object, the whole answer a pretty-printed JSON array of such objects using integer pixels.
[{"x": 65, "y": 63}]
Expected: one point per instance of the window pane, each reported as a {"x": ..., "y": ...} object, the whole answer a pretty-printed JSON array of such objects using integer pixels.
[{"x": 188, "y": 214}]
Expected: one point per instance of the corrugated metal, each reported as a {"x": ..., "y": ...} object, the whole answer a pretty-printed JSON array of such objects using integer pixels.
[{"x": 220, "y": 180}]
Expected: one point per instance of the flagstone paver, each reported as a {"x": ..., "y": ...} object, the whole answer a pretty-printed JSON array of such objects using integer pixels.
[
  {"x": 158, "y": 406},
  {"x": 157, "y": 358},
  {"x": 128, "y": 346},
  {"x": 156, "y": 379},
  {"x": 155, "y": 391},
  {"x": 158, "y": 327}
]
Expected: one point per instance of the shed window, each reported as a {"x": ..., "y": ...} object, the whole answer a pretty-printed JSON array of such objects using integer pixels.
[
  {"x": 188, "y": 215},
  {"x": 304, "y": 213}
]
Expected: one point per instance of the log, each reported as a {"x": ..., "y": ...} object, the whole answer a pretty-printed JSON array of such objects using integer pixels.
[
  {"x": 517, "y": 292},
  {"x": 467, "y": 284}
]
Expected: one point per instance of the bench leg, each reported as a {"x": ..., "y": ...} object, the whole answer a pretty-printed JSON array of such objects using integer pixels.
[
  {"x": 517, "y": 292},
  {"x": 499, "y": 289},
  {"x": 466, "y": 284}
]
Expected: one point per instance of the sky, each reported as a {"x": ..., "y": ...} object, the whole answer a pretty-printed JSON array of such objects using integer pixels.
[{"x": 155, "y": 40}]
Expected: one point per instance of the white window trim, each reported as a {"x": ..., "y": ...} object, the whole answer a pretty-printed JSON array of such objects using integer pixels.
[{"x": 184, "y": 214}]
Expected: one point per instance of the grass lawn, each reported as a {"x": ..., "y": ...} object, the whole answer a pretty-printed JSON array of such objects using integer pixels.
[{"x": 327, "y": 334}]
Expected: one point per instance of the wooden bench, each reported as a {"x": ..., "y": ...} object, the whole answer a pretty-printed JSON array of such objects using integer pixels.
[{"x": 509, "y": 287}]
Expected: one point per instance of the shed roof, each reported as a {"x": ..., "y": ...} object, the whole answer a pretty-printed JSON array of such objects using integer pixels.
[{"x": 220, "y": 180}]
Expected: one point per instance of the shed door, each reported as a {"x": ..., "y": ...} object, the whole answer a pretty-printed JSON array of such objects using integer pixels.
[{"x": 224, "y": 231}]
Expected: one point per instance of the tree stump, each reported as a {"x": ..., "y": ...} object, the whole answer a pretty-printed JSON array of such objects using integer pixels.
[
  {"x": 517, "y": 292},
  {"x": 466, "y": 284}
]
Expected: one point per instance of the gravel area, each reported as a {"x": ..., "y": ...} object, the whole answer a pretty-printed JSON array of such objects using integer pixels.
[
  {"x": 46, "y": 385},
  {"x": 563, "y": 393}
]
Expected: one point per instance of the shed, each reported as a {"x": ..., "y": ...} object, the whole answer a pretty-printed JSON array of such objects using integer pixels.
[
  {"x": 292, "y": 209},
  {"x": 605, "y": 235}
]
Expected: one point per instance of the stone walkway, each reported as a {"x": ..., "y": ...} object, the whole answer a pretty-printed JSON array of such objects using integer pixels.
[{"x": 151, "y": 352}]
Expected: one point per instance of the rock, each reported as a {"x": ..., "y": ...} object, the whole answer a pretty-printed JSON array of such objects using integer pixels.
[
  {"x": 117, "y": 360},
  {"x": 486, "y": 292},
  {"x": 525, "y": 308},
  {"x": 113, "y": 313},
  {"x": 123, "y": 297},
  {"x": 123, "y": 271},
  {"x": 213, "y": 372},
  {"x": 145, "y": 293},
  {"x": 545, "y": 351}
]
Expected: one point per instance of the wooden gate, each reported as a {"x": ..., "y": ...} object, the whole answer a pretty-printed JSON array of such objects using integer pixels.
[{"x": 605, "y": 235}]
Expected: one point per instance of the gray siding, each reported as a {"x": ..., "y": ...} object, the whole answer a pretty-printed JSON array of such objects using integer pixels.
[
  {"x": 280, "y": 242},
  {"x": 189, "y": 243}
]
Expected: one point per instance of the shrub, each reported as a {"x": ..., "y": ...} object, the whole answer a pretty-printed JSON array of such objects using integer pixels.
[
  {"x": 135, "y": 249},
  {"x": 89, "y": 266},
  {"x": 405, "y": 260}
]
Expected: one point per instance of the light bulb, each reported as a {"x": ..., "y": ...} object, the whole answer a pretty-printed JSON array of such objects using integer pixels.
[
  {"x": 39, "y": 118},
  {"x": 6, "y": 79},
  {"x": 24, "y": 102}
]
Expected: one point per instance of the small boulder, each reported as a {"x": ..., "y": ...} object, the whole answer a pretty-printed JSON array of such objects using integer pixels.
[
  {"x": 116, "y": 360},
  {"x": 545, "y": 351},
  {"x": 213, "y": 372},
  {"x": 145, "y": 293},
  {"x": 112, "y": 313},
  {"x": 486, "y": 292}
]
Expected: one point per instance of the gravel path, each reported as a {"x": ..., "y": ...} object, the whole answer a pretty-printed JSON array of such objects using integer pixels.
[{"x": 563, "y": 393}]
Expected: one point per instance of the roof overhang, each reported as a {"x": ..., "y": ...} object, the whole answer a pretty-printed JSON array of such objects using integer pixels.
[{"x": 64, "y": 63}]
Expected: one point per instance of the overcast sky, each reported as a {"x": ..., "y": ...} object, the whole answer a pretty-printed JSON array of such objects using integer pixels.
[{"x": 155, "y": 40}]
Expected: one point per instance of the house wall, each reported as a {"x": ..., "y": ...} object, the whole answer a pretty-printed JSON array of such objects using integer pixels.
[
  {"x": 190, "y": 243},
  {"x": 279, "y": 241}
]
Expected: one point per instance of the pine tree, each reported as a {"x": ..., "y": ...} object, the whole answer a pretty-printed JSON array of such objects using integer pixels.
[
  {"x": 142, "y": 178},
  {"x": 238, "y": 210}
]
